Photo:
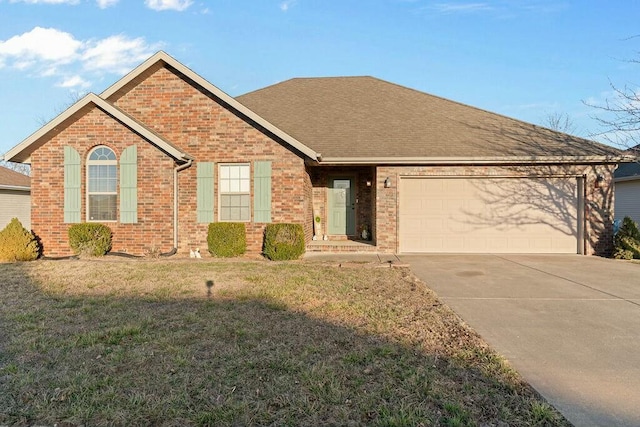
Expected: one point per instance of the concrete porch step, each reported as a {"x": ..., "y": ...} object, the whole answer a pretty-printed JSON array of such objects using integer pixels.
[{"x": 341, "y": 246}]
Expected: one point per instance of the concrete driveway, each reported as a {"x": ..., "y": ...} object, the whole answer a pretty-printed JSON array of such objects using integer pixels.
[{"x": 569, "y": 324}]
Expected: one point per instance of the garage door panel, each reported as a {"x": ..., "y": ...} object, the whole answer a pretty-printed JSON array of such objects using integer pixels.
[
  {"x": 509, "y": 215},
  {"x": 415, "y": 206}
]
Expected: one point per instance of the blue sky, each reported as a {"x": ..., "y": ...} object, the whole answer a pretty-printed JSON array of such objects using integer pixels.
[{"x": 525, "y": 59}]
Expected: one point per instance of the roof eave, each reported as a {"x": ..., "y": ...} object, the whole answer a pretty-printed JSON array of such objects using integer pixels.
[
  {"x": 627, "y": 178},
  {"x": 15, "y": 188},
  {"x": 21, "y": 154},
  {"x": 533, "y": 160},
  {"x": 215, "y": 91}
]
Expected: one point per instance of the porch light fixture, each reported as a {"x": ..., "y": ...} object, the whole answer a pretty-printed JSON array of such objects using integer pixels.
[
  {"x": 387, "y": 182},
  {"x": 599, "y": 180},
  {"x": 368, "y": 183}
]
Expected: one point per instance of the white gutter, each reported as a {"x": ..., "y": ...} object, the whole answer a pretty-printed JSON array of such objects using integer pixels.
[
  {"x": 15, "y": 188},
  {"x": 175, "y": 201},
  {"x": 469, "y": 160}
]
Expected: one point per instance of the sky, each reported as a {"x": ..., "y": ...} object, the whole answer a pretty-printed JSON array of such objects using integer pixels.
[{"x": 526, "y": 59}]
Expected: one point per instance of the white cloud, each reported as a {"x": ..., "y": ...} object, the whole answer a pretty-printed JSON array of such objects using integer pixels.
[
  {"x": 47, "y": 1},
  {"x": 74, "y": 81},
  {"x": 49, "y": 52},
  {"x": 103, "y": 4},
  {"x": 40, "y": 44},
  {"x": 287, "y": 4},
  {"x": 23, "y": 65},
  {"x": 48, "y": 72},
  {"x": 461, "y": 7},
  {"x": 178, "y": 5},
  {"x": 116, "y": 54}
]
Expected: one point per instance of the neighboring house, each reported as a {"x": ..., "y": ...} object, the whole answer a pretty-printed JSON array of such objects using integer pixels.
[
  {"x": 15, "y": 198},
  {"x": 627, "y": 190},
  {"x": 162, "y": 153}
]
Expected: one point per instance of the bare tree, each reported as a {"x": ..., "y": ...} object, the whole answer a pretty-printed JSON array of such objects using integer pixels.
[
  {"x": 560, "y": 122},
  {"x": 619, "y": 116},
  {"x": 22, "y": 168},
  {"x": 72, "y": 98}
]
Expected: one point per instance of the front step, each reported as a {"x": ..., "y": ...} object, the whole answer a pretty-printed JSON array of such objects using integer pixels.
[{"x": 352, "y": 246}]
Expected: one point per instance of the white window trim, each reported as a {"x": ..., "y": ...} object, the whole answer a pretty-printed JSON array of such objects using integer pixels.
[
  {"x": 88, "y": 194},
  {"x": 220, "y": 193}
]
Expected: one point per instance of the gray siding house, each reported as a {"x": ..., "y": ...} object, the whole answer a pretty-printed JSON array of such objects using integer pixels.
[
  {"x": 15, "y": 197},
  {"x": 627, "y": 191}
]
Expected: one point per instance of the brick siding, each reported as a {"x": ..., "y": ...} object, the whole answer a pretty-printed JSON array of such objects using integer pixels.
[
  {"x": 155, "y": 187},
  {"x": 195, "y": 123},
  {"x": 206, "y": 129}
]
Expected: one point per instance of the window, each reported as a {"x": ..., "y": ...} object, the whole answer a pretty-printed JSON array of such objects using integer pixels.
[
  {"x": 235, "y": 190},
  {"x": 102, "y": 185}
]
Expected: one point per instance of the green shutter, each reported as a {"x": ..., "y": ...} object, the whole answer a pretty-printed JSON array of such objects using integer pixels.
[
  {"x": 72, "y": 196},
  {"x": 204, "y": 196},
  {"x": 262, "y": 191},
  {"x": 129, "y": 185}
]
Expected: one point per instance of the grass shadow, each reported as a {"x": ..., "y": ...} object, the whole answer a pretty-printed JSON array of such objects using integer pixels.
[{"x": 276, "y": 350}]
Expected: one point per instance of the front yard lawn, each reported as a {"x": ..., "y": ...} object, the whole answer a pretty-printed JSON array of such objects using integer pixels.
[{"x": 202, "y": 342}]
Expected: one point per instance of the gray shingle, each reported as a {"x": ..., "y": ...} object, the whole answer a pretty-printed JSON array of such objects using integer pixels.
[
  {"x": 364, "y": 117},
  {"x": 11, "y": 178}
]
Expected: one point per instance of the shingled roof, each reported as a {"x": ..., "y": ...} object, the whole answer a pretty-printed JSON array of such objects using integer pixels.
[
  {"x": 368, "y": 119},
  {"x": 13, "y": 180}
]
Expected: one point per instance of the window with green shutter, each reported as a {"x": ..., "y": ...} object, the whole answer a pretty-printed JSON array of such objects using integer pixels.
[
  {"x": 262, "y": 191},
  {"x": 102, "y": 190},
  {"x": 72, "y": 195},
  {"x": 235, "y": 192},
  {"x": 129, "y": 185},
  {"x": 205, "y": 197}
]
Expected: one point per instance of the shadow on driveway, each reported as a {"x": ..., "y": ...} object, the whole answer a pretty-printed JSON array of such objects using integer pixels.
[{"x": 569, "y": 324}]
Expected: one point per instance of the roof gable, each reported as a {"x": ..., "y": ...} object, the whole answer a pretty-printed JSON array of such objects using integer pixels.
[
  {"x": 22, "y": 151},
  {"x": 382, "y": 122},
  {"x": 162, "y": 59}
]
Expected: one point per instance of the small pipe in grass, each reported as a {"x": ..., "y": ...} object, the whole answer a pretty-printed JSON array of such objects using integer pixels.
[{"x": 209, "y": 284}]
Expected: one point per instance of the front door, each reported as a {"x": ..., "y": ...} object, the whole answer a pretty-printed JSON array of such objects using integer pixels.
[{"x": 342, "y": 208}]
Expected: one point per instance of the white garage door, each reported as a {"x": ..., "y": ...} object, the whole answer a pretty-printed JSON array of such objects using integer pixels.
[{"x": 489, "y": 215}]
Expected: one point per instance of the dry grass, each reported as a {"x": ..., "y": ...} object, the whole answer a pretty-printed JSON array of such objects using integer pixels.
[{"x": 185, "y": 342}]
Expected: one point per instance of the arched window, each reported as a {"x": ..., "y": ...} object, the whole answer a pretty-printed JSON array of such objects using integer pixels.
[{"x": 102, "y": 190}]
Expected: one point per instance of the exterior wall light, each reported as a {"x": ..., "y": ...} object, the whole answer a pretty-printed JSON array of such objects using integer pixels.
[
  {"x": 387, "y": 182},
  {"x": 599, "y": 180}
]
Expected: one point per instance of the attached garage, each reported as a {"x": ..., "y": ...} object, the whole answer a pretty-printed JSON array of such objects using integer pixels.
[{"x": 490, "y": 215}]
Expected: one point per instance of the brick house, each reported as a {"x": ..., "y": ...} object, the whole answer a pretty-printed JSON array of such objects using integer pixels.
[{"x": 162, "y": 153}]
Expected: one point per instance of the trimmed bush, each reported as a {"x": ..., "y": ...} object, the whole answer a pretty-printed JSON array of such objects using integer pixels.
[
  {"x": 626, "y": 243},
  {"x": 90, "y": 239},
  {"x": 283, "y": 241},
  {"x": 17, "y": 243},
  {"x": 227, "y": 239}
]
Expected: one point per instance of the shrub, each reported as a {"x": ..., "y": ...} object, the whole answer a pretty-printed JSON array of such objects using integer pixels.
[
  {"x": 17, "y": 243},
  {"x": 90, "y": 239},
  {"x": 283, "y": 241},
  {"x": 626, "y": 242},
  {"x": 227, "y": 239}
]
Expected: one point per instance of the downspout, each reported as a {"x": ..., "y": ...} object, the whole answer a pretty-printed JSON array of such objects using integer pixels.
[{"x": 175, "y": 204}]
